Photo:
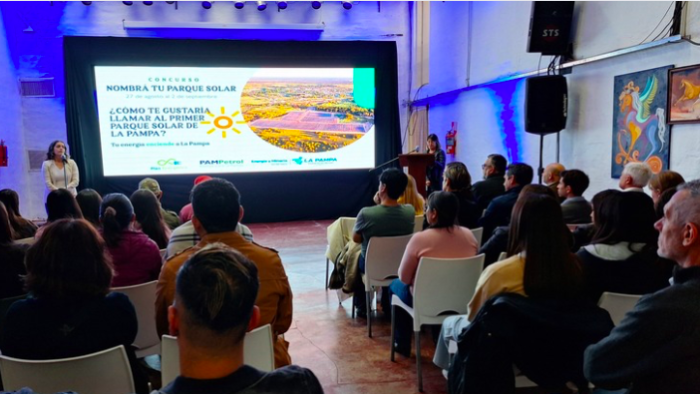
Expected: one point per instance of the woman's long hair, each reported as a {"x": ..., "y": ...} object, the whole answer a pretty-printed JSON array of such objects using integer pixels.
[
  {"x": 116, "y": 213},
  {"x": 446, "y": 205},
  {"x": 89, "y": 201},
  {"x": 150, "y": 218},
  {"x": 7, "y": 234},
  {"x": 60, "y": 204},
  {"x": 412, "y": 197},
  {"x": 50, "y": 155},
  {"x": 625, "y": 217},
  {"x": 22, "y": 227},
  {"x": 460, "y": 179},
  {"x": 434, "y": 137},
  {"x": 537, "y": 229}
]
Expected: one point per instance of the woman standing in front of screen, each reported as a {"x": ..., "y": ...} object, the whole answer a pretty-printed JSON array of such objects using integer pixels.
[{"x": 60, "y": 171}]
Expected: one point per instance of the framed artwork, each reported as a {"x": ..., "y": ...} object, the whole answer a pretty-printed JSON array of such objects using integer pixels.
[
  {"x": 640, "y": 131},
  {"x": 684, "y": 95}
]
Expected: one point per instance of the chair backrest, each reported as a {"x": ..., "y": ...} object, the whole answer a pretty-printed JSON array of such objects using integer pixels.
[
  {"x": 28, "y": 241},
  {"x": 143, "y": 297},
  {"x": 478, "y": 234},
  {"x": 418, "y": 225},
  {"x": 163, "y": 253},
  {"x": 444, "y": 286},
  {"x": 258, "y": 352},
  {"x": 502, "y": 256},
  {"x": 104, "y": 372},
  {"x": 618, "y": 304},
  {"x": 383, "y": 258}
]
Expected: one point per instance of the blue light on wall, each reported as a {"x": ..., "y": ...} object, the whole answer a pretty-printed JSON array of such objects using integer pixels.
[{"x": 508, "y": 116}]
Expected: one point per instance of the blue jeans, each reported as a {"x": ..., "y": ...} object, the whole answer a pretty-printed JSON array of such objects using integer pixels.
[{"x": 403, "y": 321}]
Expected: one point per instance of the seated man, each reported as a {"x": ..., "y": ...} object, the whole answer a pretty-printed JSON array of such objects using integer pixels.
[
  {"x": 552, "y": 175},
  {"x": 498, "y": 212},
  {"x": 186, "y": 236},
  {"x": 492, "y": 185},
  {"x": 170, "y": 217},
  {"x": 656, "y": 348},
  {"x": 217, "y": 209},
  {"x": 575, "y": 208},
  {"x": 387, "y": 219},
  {"x": 186, "y": 212},
  {"x": 213, "y": 309},
  {"x": 635, "y": 177}
]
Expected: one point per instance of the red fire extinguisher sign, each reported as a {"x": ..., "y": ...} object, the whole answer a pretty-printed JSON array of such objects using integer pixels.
[
  {"x": 3, "y": 154},
  {"x": 451, "y": 140}
]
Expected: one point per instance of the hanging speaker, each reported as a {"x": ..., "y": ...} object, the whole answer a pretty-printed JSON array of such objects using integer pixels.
[
  {"x": 545, "y": 104},
  {"x": 550, "y": 27}
]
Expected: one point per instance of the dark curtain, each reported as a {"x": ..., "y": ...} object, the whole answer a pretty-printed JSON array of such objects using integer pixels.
[{"x": 267, "y": 197}]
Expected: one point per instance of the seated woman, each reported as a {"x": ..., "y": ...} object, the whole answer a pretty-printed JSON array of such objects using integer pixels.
[
  {"x": 89, "y": 202},
  {"x": 540, "y": 264},
  {"x": 71, "y": 311},
  {"x": 622, "y": 258},
  {"x": 149, "y": 217},
  {"x": 443, "y": 239},
  {"x": 456, "y": 180},
  {"x": 60, "y": 204},
  {"x": 11, "y": 259},
  {"x": 135, "y": 257},
  {"x": 583, "y": 234},
  {"x": 22, "y": 227},
  {"x": 663, "y": 181},
  {"x": 412, "y": 197}
]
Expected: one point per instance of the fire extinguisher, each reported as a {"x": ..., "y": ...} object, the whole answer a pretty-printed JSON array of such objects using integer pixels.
[
  {"x": 451, "y": 140},
  {"x": 3, "y": 154}
]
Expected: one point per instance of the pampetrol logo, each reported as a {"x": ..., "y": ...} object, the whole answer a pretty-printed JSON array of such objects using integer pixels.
[
  {"x": 223, "y": 122},
  {"x": 169, "y": 164},
  {"x": 221, "y": 163}
]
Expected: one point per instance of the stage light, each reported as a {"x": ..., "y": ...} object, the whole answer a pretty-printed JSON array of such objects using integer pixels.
[
  {"x": 206, "y": 5},
  {"x": 347, "y": 4},
  {"x": 127, "y": 2},
  {"x": 86, "y": 2},
  {"x": 148, "y": 3},
  {"x": 262, "y": 5},
  {"x": 239, "y": 5},
  {"x": 282, "y": 5},
  {"x": 316, "y": 4}
]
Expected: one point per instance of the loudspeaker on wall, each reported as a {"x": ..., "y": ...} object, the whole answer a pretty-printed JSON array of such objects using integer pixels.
[{"x": 545, "y": 104}]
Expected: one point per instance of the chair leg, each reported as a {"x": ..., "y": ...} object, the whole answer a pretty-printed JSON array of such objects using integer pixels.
[
  {"x": 419, "y": 371},
  {"x": 393, "y": 327},
  {"x": 369, "y": 313},
  {"x": 327, "y": 262},
  {"x": 353, "y": 309}
]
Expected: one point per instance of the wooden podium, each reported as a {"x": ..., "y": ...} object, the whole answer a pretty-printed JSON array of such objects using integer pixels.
[{"x": 417, "y": 163}]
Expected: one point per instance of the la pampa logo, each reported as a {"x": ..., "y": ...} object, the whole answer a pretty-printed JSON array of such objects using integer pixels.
[
  {"x": 317, "y": 160},
  {"x": 298, "y": 160}
]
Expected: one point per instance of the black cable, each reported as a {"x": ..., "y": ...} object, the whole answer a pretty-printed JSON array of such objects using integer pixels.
[
  {"x": 658, "y": 24},
  {"x": 688, "y": 40}
]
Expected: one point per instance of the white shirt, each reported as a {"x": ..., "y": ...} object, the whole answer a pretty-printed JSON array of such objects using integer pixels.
[{"x": 56, "y": 178}]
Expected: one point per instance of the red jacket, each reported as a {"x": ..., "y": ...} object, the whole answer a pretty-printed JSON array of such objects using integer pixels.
[{"x": 136, "y": 259}]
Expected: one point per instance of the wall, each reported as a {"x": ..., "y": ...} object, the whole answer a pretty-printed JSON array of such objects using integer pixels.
[
  {"x": 491, "y": 119},
  {"x": 39, "y": 53}
]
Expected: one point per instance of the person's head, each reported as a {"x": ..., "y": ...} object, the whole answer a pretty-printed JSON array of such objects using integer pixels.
[
  {"x": 456, "y": 178},
  {"x": 69, "y": 260},
  {"x": 442, "y": 211},
  {"x": 494, "y": 165},
  {"x": 433, "y": 142},
  {"x": 116, "y": 215},
  {"x": 572, "y": 183},
  {"x": 679, "y": 228},
  {"x": 635, "y": 175},
  {"x": 518, "y": 174},
  {"x": 149, "y": 217},
  {"x": 60, "y": 204},
  {"x": 152, "y": 185},
  {"x": 537, "y": 189},
  {"x": 10, "y": 198},
  {"x": 600, "y": 203},
  {"x": 89, "y": 202},
  {"x": 217, "y": 206},
  {"x": 56, "y": 150},
  {"x": 214, "y": 304},
  {"x": 551, "y": 270},
  {"x": 411, "y": 196},
  {"x": 201, "y": 178},
  {"x": 392, "y": 183},
  {"x": 7, "y": 234},
  {"x": 663, "y": 181},
  {"x": 552, "y": 173},
  {"x": 625, "y": 217},
  {"x": 664, "y": 198}
]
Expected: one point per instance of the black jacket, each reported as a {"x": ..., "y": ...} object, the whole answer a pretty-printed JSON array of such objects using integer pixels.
[
  {"x": 498, "y": 212},
  {"x": 488, "y": 189}
]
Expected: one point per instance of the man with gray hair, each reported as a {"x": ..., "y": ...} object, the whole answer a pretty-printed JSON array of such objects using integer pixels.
[
  {"x": 656, "y": 348},
  {"x": 635, "y": 177}
]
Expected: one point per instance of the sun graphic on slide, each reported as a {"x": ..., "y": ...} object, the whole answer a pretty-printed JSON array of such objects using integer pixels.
[{"x": 223, "y": 122}]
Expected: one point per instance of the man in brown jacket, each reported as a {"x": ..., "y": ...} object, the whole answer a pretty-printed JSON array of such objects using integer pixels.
[{"x": 217, "y": 210}]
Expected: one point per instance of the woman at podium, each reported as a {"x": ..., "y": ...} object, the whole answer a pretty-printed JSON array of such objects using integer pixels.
[{"x": 434, "y": 172}]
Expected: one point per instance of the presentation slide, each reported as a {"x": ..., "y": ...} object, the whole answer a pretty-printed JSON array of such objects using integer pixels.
[{"x": 199, "y": 120}]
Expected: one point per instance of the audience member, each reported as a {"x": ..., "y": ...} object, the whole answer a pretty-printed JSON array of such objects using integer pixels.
[
  {"x": 444, "y": 239},
  {"x": 539, "y": 265},
  {"x": 655, "y": 349},
  {"x": 23, "y": 228},
  {"x": 456, "y": 180},
  {"x": 149, "y": 217},
  {"x": 663, "y": 181},
  {"x": 551, "y": 177},
  {"x": 491, "y": 187},
  {"x": 411, "y": 197},
  {"x": 71, "y": 312},
  {"x": 575, "y": 208},
  {"x": 89, "y": 202},
  {"x": 170, "y": 217},
  {"x": 214, "y": 307},
  {"x": 660, "y": 204},
  {"x": 186, "y": 212},
  {"x": 635, "y": 177},
  {"x": 583, "y": 234},
  {"x": 387, "y": 219},
  {"x": 135, "y": 257},
  {"x": 217, "y": 210},
  {"x": 60, "y": 204},
  {"x": 498, "y": 242},
  {"x": 498, "y": 212},
  {"x": 434, "y": 171},
  {"x": 11, "y": 258},
  {"x": 186, "y": 236}
]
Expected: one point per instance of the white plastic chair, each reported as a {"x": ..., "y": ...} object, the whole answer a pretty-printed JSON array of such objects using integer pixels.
[
  {"x": 143, "y": 297},
  {"x": 258, "y": 352},
  {"x": 442, "y": 287},
  {"x": 478, "y": 234},
  {"x": 418, "y": 226},
  {"x": 618, "y": 304},
  {"x": 104, "y": 372},
  {"x": 502, "y": 256},
  {"x": 27, "y": 241},
  {"x": 382, "y": 263}
]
